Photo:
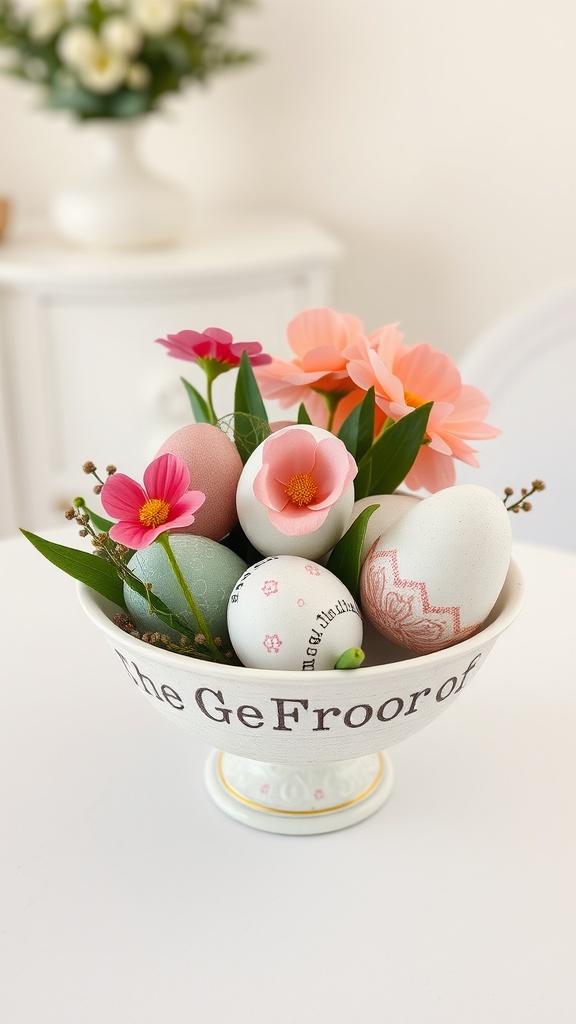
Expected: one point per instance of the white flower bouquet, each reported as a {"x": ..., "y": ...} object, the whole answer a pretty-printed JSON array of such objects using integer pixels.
[{"x": 116, "y": 58}]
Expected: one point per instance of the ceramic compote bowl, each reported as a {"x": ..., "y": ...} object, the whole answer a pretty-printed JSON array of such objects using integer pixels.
[{"x": 303, "y": 752}]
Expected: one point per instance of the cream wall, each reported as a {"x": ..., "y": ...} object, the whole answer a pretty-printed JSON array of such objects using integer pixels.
[{"x": 435, "y": 137}]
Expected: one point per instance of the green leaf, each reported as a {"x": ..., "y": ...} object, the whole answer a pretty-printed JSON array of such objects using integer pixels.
[
  {"x": 176, "y": 53},
  {"x": 344, "y": 561},
  {"x": 199, "y": 405},
  {"x": 84, "y": 566},
  {"x": 104, "y": 526},
  {"x": 73, "y": 97},
  {"x": 247, "y": 395},
  {"x": 127, "y": 104},
  {"x": 101, "y": 524},
  {"x": 303, "y": 416},
  {"x": 248, "y": 407},
  {"x": 386, "y": 464},
  {"x": 357, "y": 431}
]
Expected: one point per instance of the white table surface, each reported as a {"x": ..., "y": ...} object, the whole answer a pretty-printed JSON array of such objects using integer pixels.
[{"x": 127, "y": 896}]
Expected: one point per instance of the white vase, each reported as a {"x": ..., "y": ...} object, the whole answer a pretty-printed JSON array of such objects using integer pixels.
[{"x": 121, "y": 203}]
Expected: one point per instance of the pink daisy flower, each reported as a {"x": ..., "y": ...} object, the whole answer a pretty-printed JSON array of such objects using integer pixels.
[
  {"x": 213, "y": 347},
  {"x": 300, "y": 480},
  {"x": 164, "y": 502},
  {"x": 405, "y": 378}
]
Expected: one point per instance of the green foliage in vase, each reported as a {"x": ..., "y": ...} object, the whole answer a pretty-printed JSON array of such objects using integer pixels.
[{"x": 117, "y": 58}]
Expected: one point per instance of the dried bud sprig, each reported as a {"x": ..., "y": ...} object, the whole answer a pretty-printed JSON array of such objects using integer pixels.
[
  {"x": 521, "y": 504},
  {"x": 184, "y": 646},
  {"x": 91, "y": 470},
  {"x": 115, "y": 553}
]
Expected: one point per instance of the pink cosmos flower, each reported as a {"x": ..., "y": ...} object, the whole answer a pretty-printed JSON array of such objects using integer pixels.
[
  {"x": 318, "y": 337},
  {"x": 213, "y": 346},
  {"x": 301, "y": 478},
  {"x": 405, "y": 378},
  {"x": 162, "y": 504}
]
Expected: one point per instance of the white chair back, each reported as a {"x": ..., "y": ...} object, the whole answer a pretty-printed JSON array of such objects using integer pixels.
[{"x": 526, "y": 365}]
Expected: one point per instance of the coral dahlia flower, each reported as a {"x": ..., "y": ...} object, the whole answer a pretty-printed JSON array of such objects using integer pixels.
[
  {"x": 405, "y": 378},
  {"x": 318, "y": 375},
  {"x": 164, "y": 502}
]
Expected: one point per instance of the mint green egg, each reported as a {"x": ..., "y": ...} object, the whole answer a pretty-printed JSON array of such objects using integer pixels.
[{"x": 211, "y": 572}]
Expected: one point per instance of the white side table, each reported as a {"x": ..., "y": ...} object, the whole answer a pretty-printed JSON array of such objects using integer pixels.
[{"x": 80, "y": 375}]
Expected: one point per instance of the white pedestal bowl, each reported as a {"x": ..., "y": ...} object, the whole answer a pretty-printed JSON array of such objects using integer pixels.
[{"x": 304, "y": 752}]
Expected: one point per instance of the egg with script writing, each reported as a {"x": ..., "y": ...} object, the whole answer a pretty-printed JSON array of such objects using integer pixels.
[
  {"x": 433, "y": 577},
  {"x": 215, "y": 467},
  {"x": 210, "y": 571},
  {"x": 286, "y": 612}
]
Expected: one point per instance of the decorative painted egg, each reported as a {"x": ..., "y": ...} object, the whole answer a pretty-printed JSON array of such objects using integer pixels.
[
  {"x": 210, "y": 571},
  {"x": 287, "y": 612},
  {"x": 215, "y": 467},
  {"x": 296, "y": 492},
  {"x": 433, "y": 577},
  {"x": 392, "y": 506}
]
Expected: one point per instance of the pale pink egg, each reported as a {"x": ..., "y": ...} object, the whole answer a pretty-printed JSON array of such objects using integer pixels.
[{"x": 215, "y": 467}]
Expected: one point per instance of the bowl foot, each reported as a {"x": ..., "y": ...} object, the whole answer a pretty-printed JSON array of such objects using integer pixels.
[{"x": 303, "y": 799}]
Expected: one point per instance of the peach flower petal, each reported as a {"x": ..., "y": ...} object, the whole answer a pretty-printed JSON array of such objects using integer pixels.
[
  {"x": 335, "y": 468},
  {"x": 313, "y": 328},
  {"x": 431, "y": 471},
  {"x": 270, "y": 491},
  {"x": 405, "y": 377},
  {"x": 290, "y": 451},
  {"x": 295, "y": 522}
]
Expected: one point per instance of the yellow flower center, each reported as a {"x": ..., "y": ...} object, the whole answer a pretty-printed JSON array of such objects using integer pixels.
[
  {"x": 301, "y": 488},
  {"x": 154, "y": 512},
  {"x": 413, "y": 400}
]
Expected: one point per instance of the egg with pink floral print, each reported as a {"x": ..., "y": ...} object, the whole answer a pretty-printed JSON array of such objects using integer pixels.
[
  {"x": 296, "y": 492},
  {"x": 287, "y": 612},
  {"x": 433, "y": 577}
]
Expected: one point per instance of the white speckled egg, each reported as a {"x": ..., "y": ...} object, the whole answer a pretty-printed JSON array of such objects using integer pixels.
[
  {"x": 433, "y": 577},
  {"x": 286, "y": 612},
  {"x": 215, "y": 468},
  {"x": 392, "y": 506},
  {"x": 255, "y": 520},
  {"x": 210, "y": 570}
]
